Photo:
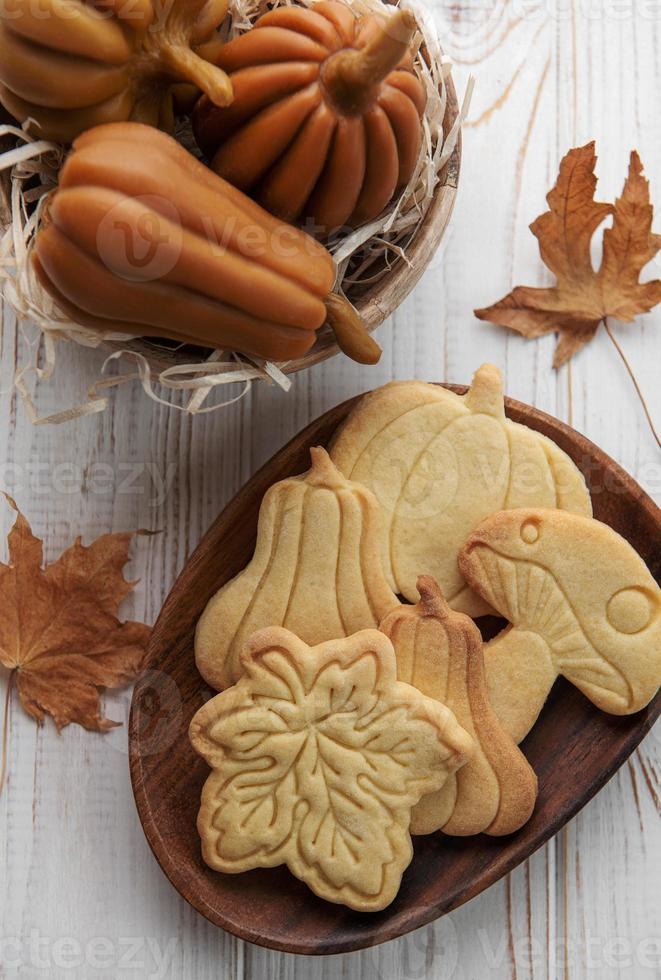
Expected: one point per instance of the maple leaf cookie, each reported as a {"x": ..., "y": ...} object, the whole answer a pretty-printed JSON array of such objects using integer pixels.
[
  {"x": 318, "y": 756},
  {"x": 440, "y": 652},
  {"x": 582, "y": 604},
  {"x": 439, "y": 463},
  {"x": 316, "y": 570}
]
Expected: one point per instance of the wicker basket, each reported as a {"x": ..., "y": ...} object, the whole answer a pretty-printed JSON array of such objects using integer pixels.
[
  {"x": 374, "y": 303},
  {"x": 378, "y": 288}
]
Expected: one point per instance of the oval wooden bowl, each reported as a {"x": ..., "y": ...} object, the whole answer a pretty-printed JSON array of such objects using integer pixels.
[{"x": 574, "y": 748}]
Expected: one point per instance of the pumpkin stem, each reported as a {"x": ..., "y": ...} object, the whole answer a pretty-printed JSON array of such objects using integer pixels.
[
  {"x": 351, "y": 76},
  {"x": 432, "y": 600},
  {"x": 485, "y": 395},
  {"x": 189, "y": 67},
  {"x": 324, "y": 472},
  {"x": 351, "y": 331}
]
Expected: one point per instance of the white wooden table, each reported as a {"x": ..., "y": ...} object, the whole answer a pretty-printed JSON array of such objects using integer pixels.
[{"x": 82, "y": 895}]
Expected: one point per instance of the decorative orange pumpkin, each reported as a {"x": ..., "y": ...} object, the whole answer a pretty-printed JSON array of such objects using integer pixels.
[
  {"x": 68, "y": 66},
  {"x": 325, "y": 126},
  {"x": 141, "y": 238}
]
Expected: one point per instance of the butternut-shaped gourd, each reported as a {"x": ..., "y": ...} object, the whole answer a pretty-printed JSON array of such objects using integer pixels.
[
  {"x": 316, "y": 570},
  {"x": 142, "y": 238},
  {"x": 67, "y": 65},
  {"x": 440, "y": 652},
  {"x": 325, "y": 126}
]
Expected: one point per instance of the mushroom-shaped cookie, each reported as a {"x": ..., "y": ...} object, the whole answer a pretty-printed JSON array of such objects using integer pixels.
[
  {"x": 440, "y": 652},
  {"x": 316, "y": 570},
  {"x": 318, "y": 755},
  {"x": 581, "y": 603}
]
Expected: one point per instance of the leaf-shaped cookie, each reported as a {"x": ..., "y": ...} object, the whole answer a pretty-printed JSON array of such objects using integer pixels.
[
  {"x": 439, "y": 463},
  {"x": 316, "y": 570},
  {"x": 440, "y": 652},
  {"x": 581, "y": 602},
  {"x": 318, "y": 755}
]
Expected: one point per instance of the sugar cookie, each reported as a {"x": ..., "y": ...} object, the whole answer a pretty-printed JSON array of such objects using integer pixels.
[
  {"x": 440, "y": 652},
  {"x": 318, "y": 755},
  {"x": 439, "y": 463},
  {"x": 316, "y": 570},
  {"x": 581, "y": 602}
]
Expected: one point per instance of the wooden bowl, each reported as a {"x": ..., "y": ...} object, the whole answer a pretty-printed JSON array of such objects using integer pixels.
[{"x": 574, "y": 748}]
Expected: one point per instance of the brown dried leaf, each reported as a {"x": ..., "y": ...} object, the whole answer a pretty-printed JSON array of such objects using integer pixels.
[
  {"x": 583, "y": 298},
  {"x": 59, "y": 629}
]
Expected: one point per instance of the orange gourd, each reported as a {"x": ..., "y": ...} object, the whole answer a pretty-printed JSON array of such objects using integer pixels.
[
  {"x": 325, "y": 126},
  {"x": 142, "y": 238},
  {"x": 67, "y": 65}
]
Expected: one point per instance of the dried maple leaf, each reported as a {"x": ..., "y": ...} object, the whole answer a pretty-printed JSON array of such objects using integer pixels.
[
  {"x": 58, "y": 626},
  {"x": 583, "y": 297}
]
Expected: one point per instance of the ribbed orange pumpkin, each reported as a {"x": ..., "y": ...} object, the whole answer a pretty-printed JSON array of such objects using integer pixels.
[
  {"x": 142, "y": 238},
  {"x": 325, "y": 126},
  {"x": 67, "y": 65}
]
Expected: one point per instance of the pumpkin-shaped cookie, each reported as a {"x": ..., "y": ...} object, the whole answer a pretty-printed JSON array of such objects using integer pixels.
[
  {"x": 440, "y": 652},
  {"x": 581, "y": 604},
  {"x": 67, "y": 66},
  {"x": 316, "y": 570},
  {"x": 326, "y": 121},
  {"x": 439, "y": 463}
]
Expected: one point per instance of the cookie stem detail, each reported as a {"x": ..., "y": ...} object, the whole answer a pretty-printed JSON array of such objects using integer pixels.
[
  {"x": 323, "y": 472},
  {"x": 485, "y": 395},
  {"x": 432, "y": 601}
]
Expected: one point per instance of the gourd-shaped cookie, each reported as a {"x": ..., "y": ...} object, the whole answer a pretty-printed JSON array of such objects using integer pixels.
[
  {"x": 316, "y": 570},
  {"x": 582, "y": 604},
  {"x": 67, "y": 65},
  {"x": 318, "y": 755},
  {"x": 439, "y": 463},
  {"x": 440, "y": 652},
  {"x": 326, "y": 121}
]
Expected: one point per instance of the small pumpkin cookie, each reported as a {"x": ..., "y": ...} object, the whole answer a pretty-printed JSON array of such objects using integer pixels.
[
  {"x": 318, "y": 755},
  {"x": 440, "y": 653},
  {"x": 439, "y": 463},
  {"x": 316, "y": 570},
  {"x": 582, "y": 604}
]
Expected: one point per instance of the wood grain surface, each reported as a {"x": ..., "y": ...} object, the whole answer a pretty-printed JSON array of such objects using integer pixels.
[
  {"x": 573, "y": 748},
  {"x": 82, "y": 895}
]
